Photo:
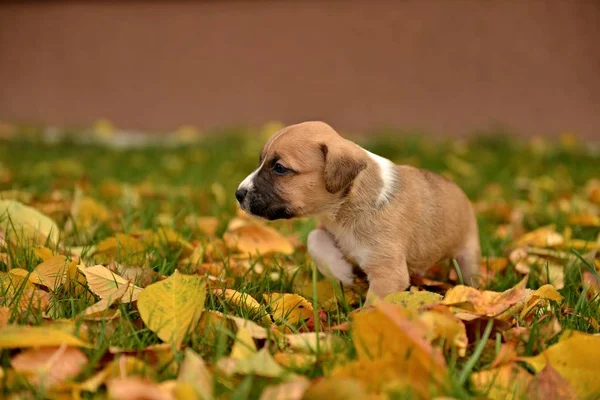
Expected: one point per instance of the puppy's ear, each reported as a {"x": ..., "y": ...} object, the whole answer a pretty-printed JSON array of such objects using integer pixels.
[{"x": 342, "y": 165}]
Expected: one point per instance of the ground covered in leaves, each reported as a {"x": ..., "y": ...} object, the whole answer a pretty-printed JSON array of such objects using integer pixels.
[{"x": 128, "y": 273}]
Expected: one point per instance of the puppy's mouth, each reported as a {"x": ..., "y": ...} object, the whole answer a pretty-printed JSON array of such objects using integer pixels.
[{"x": 258, "y": 206}]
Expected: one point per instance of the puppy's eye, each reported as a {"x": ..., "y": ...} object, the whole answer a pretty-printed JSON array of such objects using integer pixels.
[{"x": 280, "y": 169}]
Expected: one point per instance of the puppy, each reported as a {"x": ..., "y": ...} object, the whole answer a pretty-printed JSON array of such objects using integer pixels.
[{"x": 392, "y": 220}]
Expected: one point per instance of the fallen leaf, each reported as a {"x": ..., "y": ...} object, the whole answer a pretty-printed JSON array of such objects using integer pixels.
[
  {"x": 105, "y": 284},
  {"x": 49, "y": 366},
  {"x": 4, "y": 316},
  {"x": 485, "y": 303},
  {"x": 52, "y": 273},
  {"x": 27, "y": 223},
  {"x": 194, "y": 372},
  {"x": 391, "y": 347},
  {"x": 288, "y": 307},
  {"x": 107, "y": 301},
  {"x": 136, "y": 389},
  {"x": 121, "y": 247},
  {"x": 257, "y": 239},
  {"x": 292, "y": 390},
  {"x": 584, "y": 219},
  {"x": 506, "y": 382},
  {"x": 413, "y": 300},
  {"x": 549, "y": 384},
  {"x": 172, "y": 307},
  {"x": 260, "y": 363},
  {"x": 332, "y": 388},
  {"x": 575, "y": 357},
  {"x": 247, "y": 303},
  {"x": 444, "y": 327},
  {"x": 314, "y": 342},
  {"x": 243, "y": 347},
  {"x": 542, "y": 237},
  {"x": 18, "y": 336}
]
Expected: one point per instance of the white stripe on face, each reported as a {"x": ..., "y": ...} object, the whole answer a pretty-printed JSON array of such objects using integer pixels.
[{"x": 248, "y": 182}]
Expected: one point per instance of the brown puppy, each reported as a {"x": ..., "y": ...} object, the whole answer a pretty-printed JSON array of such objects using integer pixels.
[{"x": 392, "y": 220}]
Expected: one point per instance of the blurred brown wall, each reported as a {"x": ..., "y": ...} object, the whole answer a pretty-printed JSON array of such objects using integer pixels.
[{"x": 437, "y": 65}]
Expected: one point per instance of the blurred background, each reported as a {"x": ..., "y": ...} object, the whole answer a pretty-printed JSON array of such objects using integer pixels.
[{"x": 441, "y": 67}]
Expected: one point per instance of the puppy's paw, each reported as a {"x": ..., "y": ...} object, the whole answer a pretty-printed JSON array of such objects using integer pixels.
[{"x": 328, "y": 257}]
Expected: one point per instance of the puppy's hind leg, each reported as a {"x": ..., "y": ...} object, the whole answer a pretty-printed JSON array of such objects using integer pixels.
[{"x": 328, "y": 257}]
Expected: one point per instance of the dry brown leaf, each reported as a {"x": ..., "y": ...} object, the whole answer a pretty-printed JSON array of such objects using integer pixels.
[
  {"x": 486, "y": 303},
  {"x": 550, "y": 385},
  {"x": 105, "y": 283},
  {"x": 49, "y": 366},
  {"x": 246, "y": 302},
  {"x": 333, "y": 388},
  {"x": 256, "y": 239},
  {"x": 52, "y": 273}
]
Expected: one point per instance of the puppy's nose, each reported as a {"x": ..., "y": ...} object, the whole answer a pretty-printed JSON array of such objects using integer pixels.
[{"x": 240, "y": 194}]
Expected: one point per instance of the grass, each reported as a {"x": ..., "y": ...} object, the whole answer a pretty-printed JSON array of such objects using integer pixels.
[{"x": 160, "y": 185}]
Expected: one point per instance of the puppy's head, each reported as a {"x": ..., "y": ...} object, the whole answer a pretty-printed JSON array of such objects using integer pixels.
[{"x": 304, "y": 170}]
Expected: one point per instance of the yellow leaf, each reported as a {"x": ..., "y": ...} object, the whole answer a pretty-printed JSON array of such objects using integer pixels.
[
  {"x": 292, "y": 390},
  {"x": 391, "y": 346},
  {"x": 506, "y": 382},
  {"x": 134, "y": 388},
  {"x": 546, "y": 292},
  {"x": 585, "y": 219},
  {"x": 16, "y": 336},
  {"x": 444, "y": 327},
  {"x": 542, "y": 237},
  {"x": 172, "y": 307},
  {"x": 289, "y": 307},
  {"x": 413, "y": 300},
  {"x": 49, "y": 366},
  {"x": 485, "y": 303},
  {"x": 52, "y": 273},
  {"x": 194, "y": 371},
  {"x": 106, "y": 284},
  {"x": 27, "y": 223},
  {"x": 120, "y": 366},
  {"x": 108, "y": 300},
  {"x": 86, "y": 211},
  {"x": 43, "y": 253},
  {"x": 244, "y": 346},
  {"x": 121, "y": 247},
  {"x": 155, "y": 238},
  {"x": 256, "y": 239},
  {"x": 307, "y": 342},
  {"x": 260, "y": 363},
  {"x": 575, "y": 357},
  {"x": 4, "y": 316},
  {"x": 246, "y": 302},
  {"x": 207, "y": 225}
]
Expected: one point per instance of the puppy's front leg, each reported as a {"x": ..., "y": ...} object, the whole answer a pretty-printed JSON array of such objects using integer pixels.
[
  {"x": 328, "y": 257},
  {"x": 386, "y": 277}
]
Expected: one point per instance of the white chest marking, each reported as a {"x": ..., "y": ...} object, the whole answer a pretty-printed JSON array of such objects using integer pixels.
[{"x": 387, "y": 173}]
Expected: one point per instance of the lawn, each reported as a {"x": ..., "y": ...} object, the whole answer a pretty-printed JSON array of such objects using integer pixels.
[{"x": 129, "y": 273}]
